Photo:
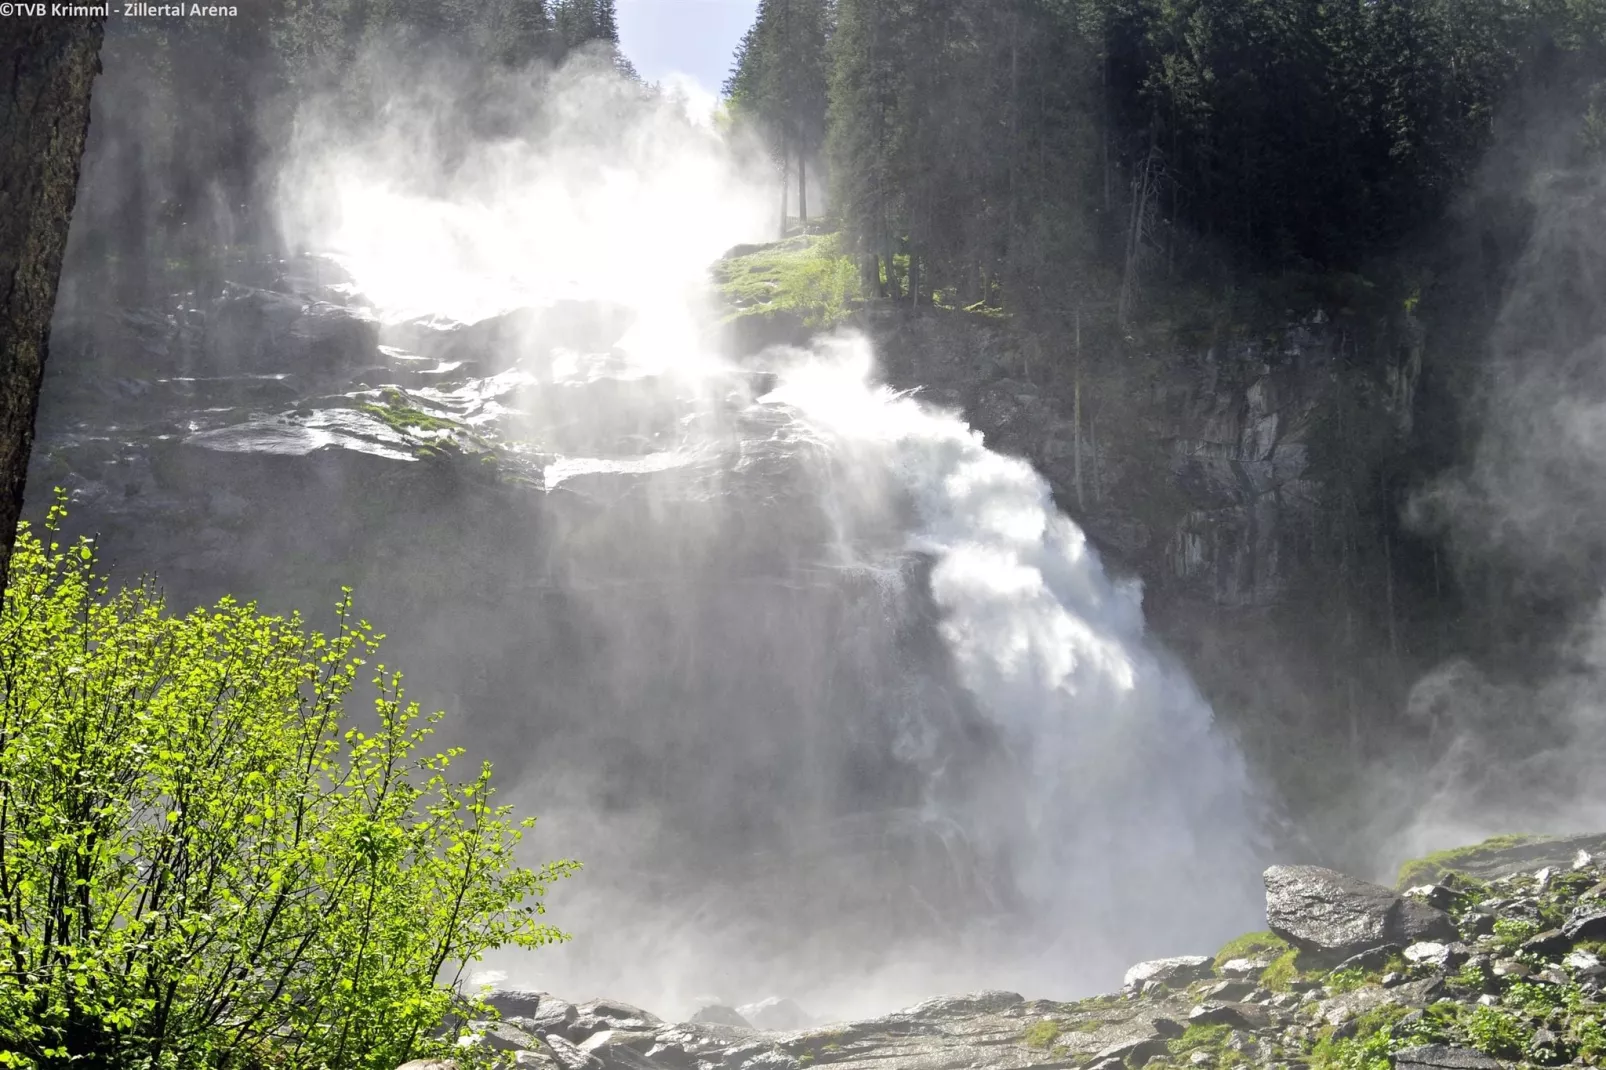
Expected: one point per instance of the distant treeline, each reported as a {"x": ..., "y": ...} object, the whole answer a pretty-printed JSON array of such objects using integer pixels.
[{"x": 1057, "y": 154}]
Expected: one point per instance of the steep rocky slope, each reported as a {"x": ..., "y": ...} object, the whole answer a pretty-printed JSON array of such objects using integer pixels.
[{"x": 1464, "y": 974}]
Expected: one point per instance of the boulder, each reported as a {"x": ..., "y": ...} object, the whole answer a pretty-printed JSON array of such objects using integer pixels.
[
  {"x": 499, "y": 1036},
  {"x": 1174, "y": 972},
  {"x": 570, "y": 1057},
  {"x": 1585, "y": 925},
  {"x": 1547, "y": 944},
  {"x": 775, "y": 1014},
  {"x": 1241, "y": 968},
  {"x": 719, "y": 1014},
  {"x": 1246, "y": 1016},
  {"x": 1432, "y": 953},
  {"x": 1322, "y": 910},
  {"x": 517, "y": 1002},
  {"x": 1444, "y": 1057}
]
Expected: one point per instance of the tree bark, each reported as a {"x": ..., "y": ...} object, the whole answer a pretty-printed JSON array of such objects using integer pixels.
[
  {"x": 50, "y": 67},
  {"x": 802, "y": 189}
]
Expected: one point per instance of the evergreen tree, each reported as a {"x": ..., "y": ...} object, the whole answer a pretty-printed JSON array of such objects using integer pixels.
[{"x": 779, "y": 84}]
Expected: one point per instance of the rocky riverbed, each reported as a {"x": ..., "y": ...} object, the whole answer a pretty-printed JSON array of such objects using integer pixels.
[{"x": 1484, "y": 958}]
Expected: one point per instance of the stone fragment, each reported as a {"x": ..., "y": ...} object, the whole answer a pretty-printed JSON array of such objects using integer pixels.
[
  {"x": 1444, "y": 1057},
  {"x": 1320, "y": 909},
  {"x": 1174, "y": 972},
  {"x": 1243, "y": 968},
  {"x": 1229, "y": 991},
  {"x": 569, "y": 1056},
  {"x": 1585, "y": 963},
  {"x": 1511, "y": 968},
  {"x": 1133, "y": 1051},
  {"x": 1432, "y": 953},
  {"x": 499, "y": 1036},
  {"x": 1201, "y": 1058},
  {"x": 1238, "y": 1015},
  {"x": 1547, "y": 944},
  {"x": 1434, "y": 895}
]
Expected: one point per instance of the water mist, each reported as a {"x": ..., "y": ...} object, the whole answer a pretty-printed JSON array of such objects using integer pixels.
[{"x": 847, "y": 710}]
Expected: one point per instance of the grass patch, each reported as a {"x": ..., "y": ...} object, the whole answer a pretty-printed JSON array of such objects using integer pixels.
[
  {"x": 1282, "y": 973},
  {"x": 1431, "y": 868},
  {"x": 1211, "y": 1039},
  {"x": 1252, "y": 945},
  {"x": 403, "y": 417},
  {"x": 1042, "y": 1034},
  {"x": 1494, "y": 1032},
  {"x": 808, "y": 275}
]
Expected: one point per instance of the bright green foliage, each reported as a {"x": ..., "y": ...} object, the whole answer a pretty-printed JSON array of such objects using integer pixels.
[
  {"x": 1495, "y": 1032},
  {"x": 1470, "y": 975},
  {"x": 1207, "y": 1038},
  {"x": 1042, "y": 1034},
  {"x": 205, "y": 860},
  {"x": 1368, "y": 1046},
  {"x": 1511, "y": 932},
  {"x": 1283, "y": 971},
  {"x": 1251, "y": 945},
  {"x": 805, "y": 275},
  {"x": 1349, "y": 980}
]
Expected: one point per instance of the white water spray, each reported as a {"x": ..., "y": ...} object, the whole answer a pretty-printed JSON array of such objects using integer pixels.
[{"x": 1104, "y": 806}]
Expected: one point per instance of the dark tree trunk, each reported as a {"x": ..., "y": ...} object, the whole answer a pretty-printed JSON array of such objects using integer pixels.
[{"x": 50, "y": 65}]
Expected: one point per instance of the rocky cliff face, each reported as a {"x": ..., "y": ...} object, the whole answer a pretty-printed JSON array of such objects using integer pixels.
[{"x": 1253, "y": 484}]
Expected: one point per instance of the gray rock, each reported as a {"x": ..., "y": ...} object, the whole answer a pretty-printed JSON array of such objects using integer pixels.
[
  {"x": 1133, "y": 1050},
  {"x": 1323, "y": 910},
  {"x": 1585, "y": 963},
  {"x": 1585, "y": 925},
  {"x": 1173, "y": 972},
  {"x": 1229, "y": 991},
  {"x": 1371, "y": 959},
  {"x": 517, "y": 1002},
  {"x": 718, "y": 1014},
  {"x": 1547, "y": 944},
  {"x": 535, "y": 1060},
  {"x": 1242, "y": 968},
  {"x": 1444, "y": 1057},
  {"x": 776, "y": 1014},
  {"x": 499, "y": 1036},
  {"x": 569, "y": 1056},
  {"x": 551, "y": 1015},
  {"x": 622, "y": 1014},
  {"x": 1442, "y": 956},
  {"x": 1434, "y": 895},
  {"x": 1237, "y": 1015}
]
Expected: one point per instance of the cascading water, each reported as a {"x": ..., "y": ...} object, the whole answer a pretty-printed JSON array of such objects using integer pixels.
[{"x": 842, "y": 706}]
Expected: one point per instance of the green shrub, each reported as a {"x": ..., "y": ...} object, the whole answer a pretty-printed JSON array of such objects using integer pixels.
[
  {"x": 1496, "y": 1033},
  {"x": 1511, "y": 932},
  {"x": 204, "y": 862}
]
